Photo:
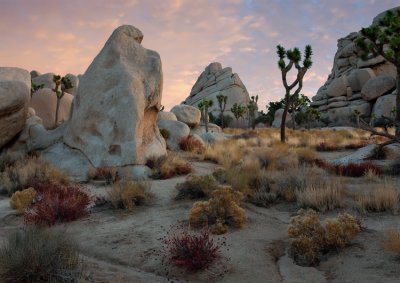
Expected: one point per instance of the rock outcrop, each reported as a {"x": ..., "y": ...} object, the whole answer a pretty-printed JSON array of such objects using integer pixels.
[
  {"x": 44, "y": 102},
  {"x": 216, "y": 80},
  {"x": 355, "y": 84},
  {"x": 115, "y": 109},
  {"x": 187, "y": 114},
  {"x": 15, "y": 85}
]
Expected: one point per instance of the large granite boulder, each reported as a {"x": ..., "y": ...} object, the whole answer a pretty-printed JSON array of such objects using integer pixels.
[
  {"x": 177, "y": 131},
  {"x": 44, "y": 102},
  {"x": 115, "y": 109},
  {"x": 384, "y": 106},
  {"x": 378, "y": 86},
  {"x": 15, "y": 85},
  {"x": 165, "y": 115},
  {"x": 346, "y": 115},
  {"x": 215, "y": 80},
  {"x": 187, "y": 114}
]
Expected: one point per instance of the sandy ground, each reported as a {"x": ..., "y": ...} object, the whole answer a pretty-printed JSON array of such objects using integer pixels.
[{"x": 122, "y": 246}]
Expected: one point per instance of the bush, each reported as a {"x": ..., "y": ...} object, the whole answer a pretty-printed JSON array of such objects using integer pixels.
[
  {"x": 312, "y": 239},
  {"x": 39, "y": 255},
  {"x": 223, "y": 207},
  {"x": 351, "y": 169},
  {"x": 57, "y": 203},
  {"x": 17, "y": 176},
  {"x": 21, "y": 200},
  {"x": 193, "y": 251},
  {"x": 196, "y": 187},
  {"x": 165, "y": 133},
  {"x": 169, "y": 166},
  {"x": 128, "y": 194},
  {"x": 325, "y": 197},
  {"x": 191, "y": 144}
]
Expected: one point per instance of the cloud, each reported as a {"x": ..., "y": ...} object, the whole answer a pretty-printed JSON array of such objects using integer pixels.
[{"x": 65, "y": 36}]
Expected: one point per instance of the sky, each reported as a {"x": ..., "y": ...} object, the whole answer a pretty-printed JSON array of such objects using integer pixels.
[{"x": 65, "y": 36}]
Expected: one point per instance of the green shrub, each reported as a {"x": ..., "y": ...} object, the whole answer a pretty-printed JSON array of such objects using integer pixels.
[{"x": 39, "y": 255}]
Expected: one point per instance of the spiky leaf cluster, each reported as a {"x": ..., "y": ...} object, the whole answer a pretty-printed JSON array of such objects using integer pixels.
[
  {"x": 294, "y": 56},
  {"x": 382, "y": 38}
]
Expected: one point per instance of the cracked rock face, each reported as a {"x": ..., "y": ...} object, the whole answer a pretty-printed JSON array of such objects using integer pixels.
[
  {"x": 354, "y": 80},
  {"x": 15, "y": 85},
  {"x": 216, "y": 80},
  {"x": 115, "y": 109}
]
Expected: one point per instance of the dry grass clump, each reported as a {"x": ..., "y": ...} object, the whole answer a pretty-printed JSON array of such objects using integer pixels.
[
  {"x": 128, "y": 194},
  {"x": 227, "y": 153},
  {"x": 39, "y": 255},
  {"x": 169, "y": 166},
  {"x": 108, "y": 174},
  {"x": 385, "y": 198},
  {"x": 196, "y": 187},
  {"x": 15, "y": 177},
  {"x": 312, "y": 239},
  {"x": 323, "y": 197},
  {"x": 191, "y": 144},
  {"x": 223, "y": 209},
  {"x": 392, "y": 241},
  {"x": 21, "y": 200},
  {"x": 278, "y": 157}
]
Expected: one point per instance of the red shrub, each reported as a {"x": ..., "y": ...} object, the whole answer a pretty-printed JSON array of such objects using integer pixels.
[
  {"x": 191, "y": 144},
  {"x": 324, "y": 146},
  {"x": 191, "y": 250},
  {"x": 57, "y": 203},
  {"x": 357, "y": 169},
  {"x": 349, "y": 170}
]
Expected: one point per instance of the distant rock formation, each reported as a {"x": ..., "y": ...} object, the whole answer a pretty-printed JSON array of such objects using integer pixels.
[
  {"x": 355, "y": 84},
  {"x": 216, "y": 80}
]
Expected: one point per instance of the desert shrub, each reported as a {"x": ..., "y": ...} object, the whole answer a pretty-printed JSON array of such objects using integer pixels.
[
  {"x": 393, "y": 168},
  {"x": 226, "y": 153},
  {"x": 384, "y": 198},
  {"x": 16, "y": 176},
  {"x": 323, "y": 197},
  {"x": 165, "y": 133},
  {"x": 191, "y": 250},
  {"x": 312, "y": 239},
  {"x": 223, "y": 207},
  {"x": 21, "y": 200},
  {"x": 196, "y": 187},
  {"x": 357, "y": 169},
  {"x": 169, "y": 166},
  {"x": 278, "y": 157},
  {"x": 326, "y": 146},
  {"x": 128, "y": 194},
  {"x": 39, "y": 255},
  {"x": 57, "y": 203},
  {"x": 191, "y": 144},
  {"x": 108, "y": 174},
  {"x": 307, "y": 155},
  {"x": 392, "y": 241}
]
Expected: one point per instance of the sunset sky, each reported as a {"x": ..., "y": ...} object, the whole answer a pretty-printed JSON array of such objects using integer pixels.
[{"x": 64, "y": 36}]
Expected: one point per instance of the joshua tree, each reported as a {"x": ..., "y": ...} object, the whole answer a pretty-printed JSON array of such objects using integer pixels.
[
  {"x": 62, "y": 83},
  {"x": 253, "y": 108},
  {"x": 357, "y": 113},
  {"x": 203, "y": 106},
  {"x": 383, "y": 38},
  {"x": 238, "y": 111},
  {"x": 312, "y": 115},
  {"x": 35, "y": 87},
  {"x": 222, "y": 104},
  {"x": 294, "y": 57}
]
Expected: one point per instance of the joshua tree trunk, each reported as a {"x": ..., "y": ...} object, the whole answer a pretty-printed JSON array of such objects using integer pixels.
[
  {"x": 57, "y": 108},
  {"x": 222, "y": 119},
  {"x": 283, "y": 123}
]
